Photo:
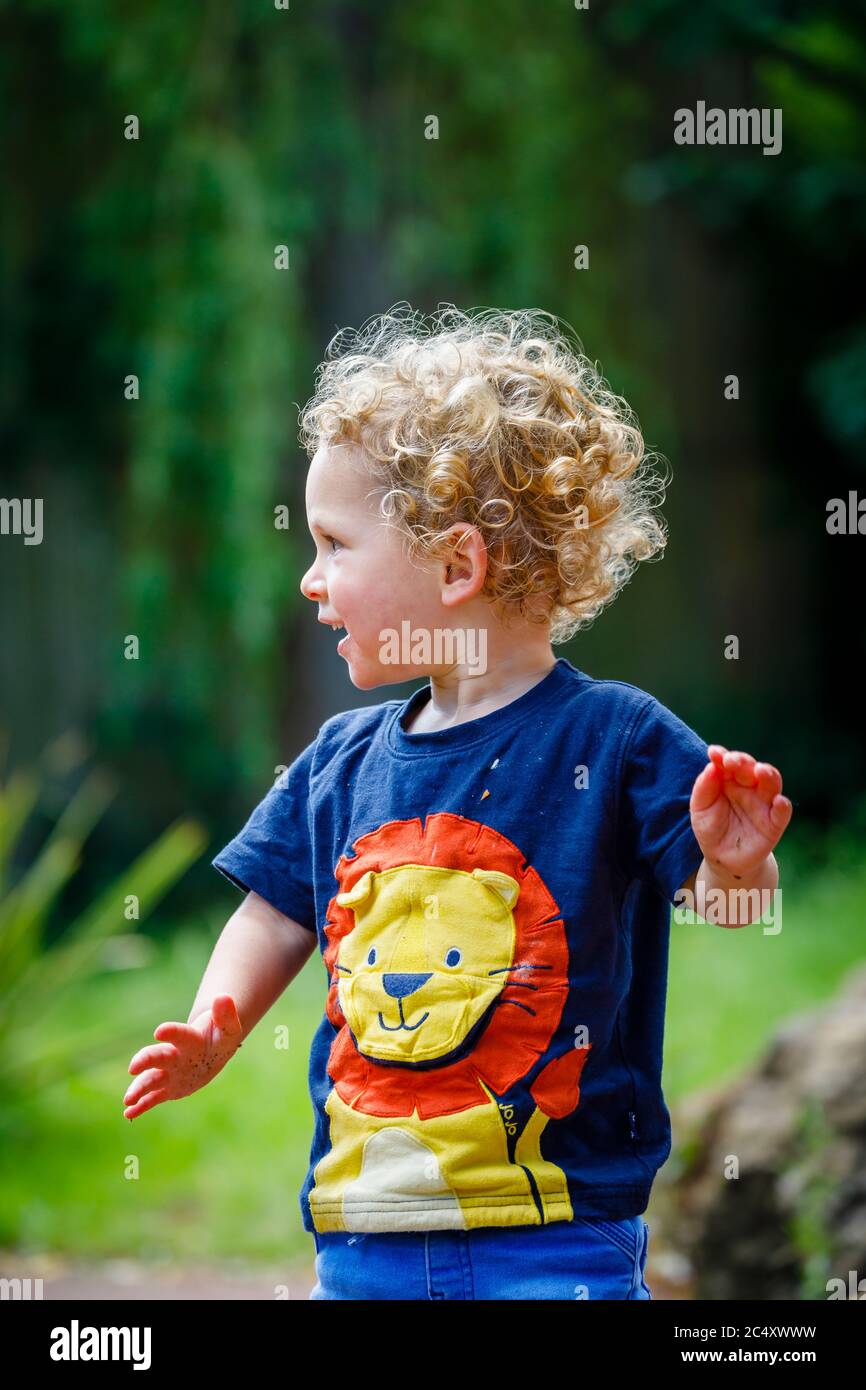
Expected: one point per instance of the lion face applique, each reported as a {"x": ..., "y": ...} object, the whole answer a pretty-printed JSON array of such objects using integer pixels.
[
  {"x": 448, "y": 963},
  {"x": 427, "y": 960}
]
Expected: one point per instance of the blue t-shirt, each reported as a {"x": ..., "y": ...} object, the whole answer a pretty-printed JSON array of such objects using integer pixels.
[{"x": 492, "y": 903}]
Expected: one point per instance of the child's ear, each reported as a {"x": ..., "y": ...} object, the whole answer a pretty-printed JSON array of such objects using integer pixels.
[
  {"x": 464, "y": 563},
  {"x": 462, "y": 545}
]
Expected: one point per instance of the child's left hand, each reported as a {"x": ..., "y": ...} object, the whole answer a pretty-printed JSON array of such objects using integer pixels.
[{"x": 738, "y": 814}]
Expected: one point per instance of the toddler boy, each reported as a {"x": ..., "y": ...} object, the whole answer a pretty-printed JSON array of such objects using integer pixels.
[{"x": 487, "y": 867}]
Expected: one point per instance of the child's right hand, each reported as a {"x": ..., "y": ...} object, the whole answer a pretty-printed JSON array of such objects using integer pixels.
[{"x": 189, "y": 1056}]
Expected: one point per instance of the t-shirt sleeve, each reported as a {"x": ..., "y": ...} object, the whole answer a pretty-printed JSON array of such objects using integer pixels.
[
  {"x": 662, "y": 758},
  {"x": 272, "y": 855}
]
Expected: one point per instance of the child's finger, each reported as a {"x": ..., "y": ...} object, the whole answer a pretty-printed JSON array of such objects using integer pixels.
[
  {"x": 225, "y": 1016},
  {"x": 175, "y": 1033},
  {"x": 740, "y": 766},
  {"x": 780, "y": 812},
  {"x": 143, "y": 1084},
  {"x": 716, "y": 753},
  {"x": 146, "y": 1103},
  {"x": 769, "y": 781},
  {"x": 708, "y": 785},
  {"x": 152, "y": 1056}
]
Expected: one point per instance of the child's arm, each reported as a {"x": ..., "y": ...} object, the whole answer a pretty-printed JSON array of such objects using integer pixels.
[
  {"x": 729, "y": 895},
  {"x": 258, "y": 953}
]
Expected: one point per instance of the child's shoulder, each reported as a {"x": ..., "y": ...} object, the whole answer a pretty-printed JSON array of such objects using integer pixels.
[
  {"x": 627, "y": 709},
  {"x": 608, "y": 693},
  {"x": 351, "y": 725}
]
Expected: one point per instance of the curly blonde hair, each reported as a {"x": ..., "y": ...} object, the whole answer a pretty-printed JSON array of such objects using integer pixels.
[{"x": 496, "y": 418}]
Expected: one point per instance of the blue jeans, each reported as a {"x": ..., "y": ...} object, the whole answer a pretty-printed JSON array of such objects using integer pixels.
[{"x": 567, "y": 1259}]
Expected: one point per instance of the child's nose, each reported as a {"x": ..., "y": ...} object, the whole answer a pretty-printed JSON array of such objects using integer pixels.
[{"x": 311, "y": 585}]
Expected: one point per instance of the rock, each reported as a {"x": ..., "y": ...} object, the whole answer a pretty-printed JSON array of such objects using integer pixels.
[{"x": 765, "y": 1192}]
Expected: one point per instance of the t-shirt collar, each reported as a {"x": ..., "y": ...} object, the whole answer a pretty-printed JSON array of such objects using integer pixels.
[{"x": 472, "y": 731}]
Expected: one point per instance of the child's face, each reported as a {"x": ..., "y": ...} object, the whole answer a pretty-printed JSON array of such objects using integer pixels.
[{"x": 361, "y": 576}]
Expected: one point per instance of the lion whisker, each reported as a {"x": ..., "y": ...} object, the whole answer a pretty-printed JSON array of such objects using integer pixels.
[{"x": 501, "y": 969}]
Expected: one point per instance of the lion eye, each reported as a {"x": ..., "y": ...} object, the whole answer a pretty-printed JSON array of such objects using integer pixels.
[
  {"x": 453, "y": 957},
  {"x": 371, "y": 958}
]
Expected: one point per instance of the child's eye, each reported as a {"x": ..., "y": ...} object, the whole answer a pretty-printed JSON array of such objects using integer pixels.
[{"x": 332, "y": 542}]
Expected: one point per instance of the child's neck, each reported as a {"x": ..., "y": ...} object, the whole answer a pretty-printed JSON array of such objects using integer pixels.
[{"x": 462, "y": 695}]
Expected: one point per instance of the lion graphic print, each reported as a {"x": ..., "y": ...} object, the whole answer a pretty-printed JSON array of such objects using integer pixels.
[{"x": 449, "y": 974}]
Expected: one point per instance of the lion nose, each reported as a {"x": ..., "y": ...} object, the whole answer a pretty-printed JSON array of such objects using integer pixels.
[{"x": 398, "y": 986}]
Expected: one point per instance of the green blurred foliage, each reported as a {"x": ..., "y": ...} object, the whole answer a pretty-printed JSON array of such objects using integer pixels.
[
  {"x": 36, "y": 975},
  {"x": 305, "y": 128}
]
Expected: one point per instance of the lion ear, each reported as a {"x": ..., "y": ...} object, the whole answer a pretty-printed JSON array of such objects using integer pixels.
[
  {"x": 361, "y": 891},
  {"x": 507, "y": 887}
]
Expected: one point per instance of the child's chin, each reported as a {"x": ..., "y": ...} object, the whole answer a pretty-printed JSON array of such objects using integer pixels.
[
  {"x": 366, "y": 675},
  {"x": 362, "y": 676}
]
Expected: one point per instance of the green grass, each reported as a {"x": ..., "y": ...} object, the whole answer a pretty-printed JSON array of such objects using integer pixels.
[
  {"x": 219, "y": 1172},
  {"x": 728, "y": 988}
]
